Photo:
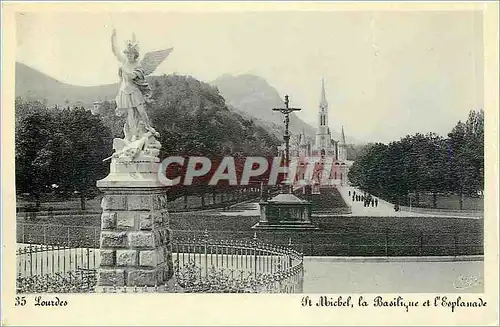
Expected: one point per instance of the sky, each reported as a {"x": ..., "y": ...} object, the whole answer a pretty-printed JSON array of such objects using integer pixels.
[{"x": 387, "y": 74}]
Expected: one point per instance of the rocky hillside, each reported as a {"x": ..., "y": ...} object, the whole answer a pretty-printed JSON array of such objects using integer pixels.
[{"x": 255, "y": 97}]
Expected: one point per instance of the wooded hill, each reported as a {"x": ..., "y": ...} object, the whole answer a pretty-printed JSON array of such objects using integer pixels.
[{"x": 191, "y": 117}]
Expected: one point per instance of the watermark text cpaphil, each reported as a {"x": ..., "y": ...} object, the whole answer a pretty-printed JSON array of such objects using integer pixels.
[{"x": 179, "y": 170}]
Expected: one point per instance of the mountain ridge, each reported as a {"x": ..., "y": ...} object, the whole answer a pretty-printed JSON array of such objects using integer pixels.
[
  {"x": 33, "y": 84},
  {"x": 249, "y": 95},
  {"x": 254, "y": 95}
]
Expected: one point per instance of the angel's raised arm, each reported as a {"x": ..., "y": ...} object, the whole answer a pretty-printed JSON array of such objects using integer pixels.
[{"x": 114, "y": 47}]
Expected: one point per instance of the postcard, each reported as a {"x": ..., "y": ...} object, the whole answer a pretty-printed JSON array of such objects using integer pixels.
[{"x": 257, "y": 163}]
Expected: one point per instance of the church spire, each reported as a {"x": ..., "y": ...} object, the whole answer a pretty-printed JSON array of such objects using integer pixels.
[
  {"x": 342, "y": 136},
  {"x": 323, "y": 102},
  {"x": 323, "y": 135}
]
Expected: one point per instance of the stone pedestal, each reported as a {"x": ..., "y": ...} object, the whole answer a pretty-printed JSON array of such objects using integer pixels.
[
  {"x": 285, "y": 211},
  {"x": 135, "y": 236}
]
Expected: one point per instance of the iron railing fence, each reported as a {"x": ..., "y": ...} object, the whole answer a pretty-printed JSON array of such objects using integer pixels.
[
  {"x": 319, "y": 243},
  {"x": 201, "y": 264},
  {"x": 256, "y": 265}
]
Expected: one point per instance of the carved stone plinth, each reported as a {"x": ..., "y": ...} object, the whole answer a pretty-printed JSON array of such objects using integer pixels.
[
  {"x": 135, "y": 236},
  {"x": 285, "y": 211}
]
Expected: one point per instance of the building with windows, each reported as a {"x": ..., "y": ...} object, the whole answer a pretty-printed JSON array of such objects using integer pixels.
[{"x": 333, "y": 153}]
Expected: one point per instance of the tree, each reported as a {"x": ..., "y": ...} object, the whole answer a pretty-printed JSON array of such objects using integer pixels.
[
  {"x": 87, "y": 142},
  {"x": 60, "y": 147},
  {"x": 466, "y": 155},
  {"x": 24, "y": 108},
  {"x": 110, "y": 119},
  {"x": 35, "y": 153},
  {"x": 437, "y": 173},
  {"x": 425, "y": 163}
]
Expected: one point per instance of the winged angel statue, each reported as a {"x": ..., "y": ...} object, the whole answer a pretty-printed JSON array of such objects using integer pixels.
[{"x": 133, "y": 96}]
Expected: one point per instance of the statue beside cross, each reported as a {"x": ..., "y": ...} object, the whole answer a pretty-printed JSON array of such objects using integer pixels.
[{"x": 287, "y": 111}]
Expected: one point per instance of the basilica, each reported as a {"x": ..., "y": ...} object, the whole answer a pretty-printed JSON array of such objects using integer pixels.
[{"x": 333, "y": 152}]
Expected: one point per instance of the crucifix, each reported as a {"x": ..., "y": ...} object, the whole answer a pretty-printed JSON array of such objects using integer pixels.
[{"x": 286, "y": 111}]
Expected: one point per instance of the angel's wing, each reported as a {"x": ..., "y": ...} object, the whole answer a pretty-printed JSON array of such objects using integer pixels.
[{"x": 153, "y": 59}]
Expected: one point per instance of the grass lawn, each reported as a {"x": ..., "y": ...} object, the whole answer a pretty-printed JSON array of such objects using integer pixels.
[
  {"x": 337, "y": 236},
  {"x": 93, "y": 206}
]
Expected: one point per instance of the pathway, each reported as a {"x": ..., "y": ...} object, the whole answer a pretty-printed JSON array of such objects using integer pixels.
[{"x": 385, "y": 208}]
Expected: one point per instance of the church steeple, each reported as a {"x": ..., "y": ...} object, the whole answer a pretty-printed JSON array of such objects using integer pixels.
[
  {"x": 342, "y": 136},
  {"x": 342, "y": 148},
  {"x": 323, "y": 103},
  {"x": 323, "y": 108},
  {"x": 323, "y": 136}
]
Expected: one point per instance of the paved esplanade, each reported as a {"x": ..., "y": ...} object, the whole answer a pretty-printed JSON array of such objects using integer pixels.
[{"x": 383, "y": 209}]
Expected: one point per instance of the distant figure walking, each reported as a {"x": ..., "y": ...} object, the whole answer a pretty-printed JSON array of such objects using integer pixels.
[
  {"x": 376, "y": 203},
  {"x": 373, "y": 202},
  {"x": 349, "y": 192}
]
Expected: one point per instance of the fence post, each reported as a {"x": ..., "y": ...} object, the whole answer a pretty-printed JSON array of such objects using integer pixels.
[
  {"x": 455, "y": 240},
  {"x": 255, "y": 254},
  {"x": 421, "y": 243},
  {"x": 205, "y": 252},
  {"x": 289, "y": 251},
  {"x": 386, "y": 236},
  {"x": 31, "y": 260},
  {"x": 88, "y": 258},
  {"x": 53, "y": 258},
  {"x": 96, "y": 244}
]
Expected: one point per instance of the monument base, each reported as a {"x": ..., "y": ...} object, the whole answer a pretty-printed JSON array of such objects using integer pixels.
[
  {"x": 135, "y": 244},
  {"x": 169, "y": 287},
  {"x": 285, "y": 212},
  {"x": 141, "y": 172}
]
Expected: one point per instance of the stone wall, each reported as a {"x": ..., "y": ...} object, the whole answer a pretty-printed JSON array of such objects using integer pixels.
[{"x": 135, "y": 238}]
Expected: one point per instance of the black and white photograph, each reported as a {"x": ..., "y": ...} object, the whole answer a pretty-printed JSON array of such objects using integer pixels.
[{"x": 336, "y": 156}]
